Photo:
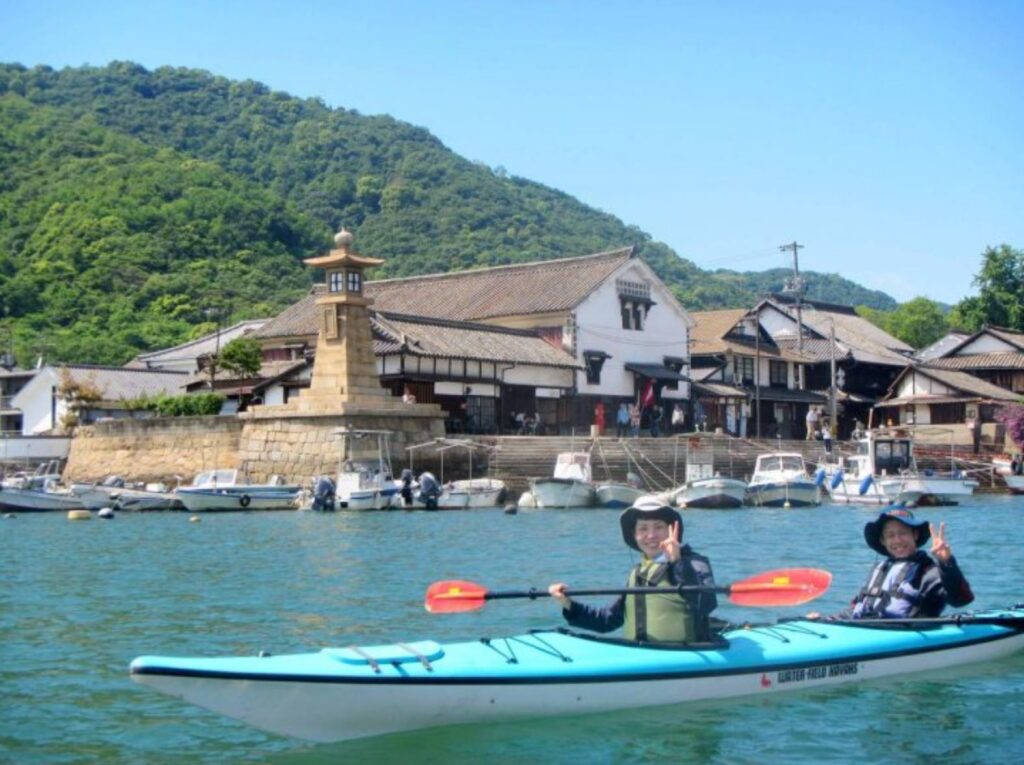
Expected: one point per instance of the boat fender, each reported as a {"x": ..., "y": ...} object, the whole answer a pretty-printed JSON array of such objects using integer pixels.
[
  {"x": 819, "y": 477},
  {"x": 244, "y": 500},
  {"x": 527, "y": 500},
  {"x": 837, "y": 478},
  {"x": 865, "y": 485},
  {"x": 79, "y": 515}
]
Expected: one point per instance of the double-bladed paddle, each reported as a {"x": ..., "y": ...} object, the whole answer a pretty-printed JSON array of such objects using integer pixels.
[{"x": 782, "y": 587}]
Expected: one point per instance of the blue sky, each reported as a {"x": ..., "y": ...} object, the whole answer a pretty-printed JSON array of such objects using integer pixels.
[{"x": 886, "y": 137}]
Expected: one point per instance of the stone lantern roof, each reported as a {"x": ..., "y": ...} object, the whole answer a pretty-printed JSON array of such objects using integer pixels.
[{"x": 342, "y": 255}]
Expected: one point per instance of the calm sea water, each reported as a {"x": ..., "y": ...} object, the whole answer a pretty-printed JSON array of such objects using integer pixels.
[{"x": 79, "y": 600}]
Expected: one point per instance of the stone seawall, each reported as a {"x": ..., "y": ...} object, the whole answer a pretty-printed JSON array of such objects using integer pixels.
[
  {"x": 299, "y": 448},
  {"x": 157, "y": 449},
  {"x": 296, "y": 448}
]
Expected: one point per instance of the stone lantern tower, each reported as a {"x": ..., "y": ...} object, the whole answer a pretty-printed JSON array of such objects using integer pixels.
[{"x": 345, "y": 378}]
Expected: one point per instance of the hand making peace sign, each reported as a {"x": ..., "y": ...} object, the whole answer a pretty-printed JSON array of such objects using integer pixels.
[
  {"x": 670, "y": 545},
  {"x": 940, "y": 547}
]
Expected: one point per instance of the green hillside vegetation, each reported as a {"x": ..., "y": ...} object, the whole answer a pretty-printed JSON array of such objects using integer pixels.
[
  {"x": 132, "y": 202},
  {"x": 830, "y": 288}
]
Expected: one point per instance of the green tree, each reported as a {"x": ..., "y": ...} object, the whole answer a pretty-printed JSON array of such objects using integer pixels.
[
  {"x": 1000, "y": 299},
  {"x": 918, "y": 322},
  {"x": 241, "y": 357}
]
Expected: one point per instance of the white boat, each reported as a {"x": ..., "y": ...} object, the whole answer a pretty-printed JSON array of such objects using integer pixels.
[
  {"x": 781, "y": 480},
  {"x": 463, "y": 494},
  {"x": 36, "y": 492},
  {"x": 620, "y": 495},
  {"x": 365, "y": 480},
  {"x": 884, "y": 471},
  {"x": 570, "y": 486},
  {"x": 225, "y": 489},
  {"x": 704, "y": 488},
  {"x": 1014, "y": 481},
  {"x": 114, "y": 493}
]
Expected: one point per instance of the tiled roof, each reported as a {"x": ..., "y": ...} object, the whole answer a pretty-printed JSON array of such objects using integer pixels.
[
  {"x": 967, "y": 383},
  {"x": 866, "y": 341},
  {"x": 528, "y": 288},
  {"x": 710, "y": 328},
  {"x": 1011, "y": 336},
  {"x": 122, "y": 383},
  {"x": 449, "y": 339},
  {"x": 1001, "y": 360},
  {"x": 941, "y": 346},
  {"x": 815, "y": 349},
  {"x": 201, "y": 346}
]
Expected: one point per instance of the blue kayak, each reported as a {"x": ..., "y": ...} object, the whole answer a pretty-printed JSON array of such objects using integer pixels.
[{"x": 344, "y": 693}]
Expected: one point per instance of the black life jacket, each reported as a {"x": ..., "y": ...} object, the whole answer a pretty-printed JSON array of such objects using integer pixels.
[{"x": 895, "y": 601}]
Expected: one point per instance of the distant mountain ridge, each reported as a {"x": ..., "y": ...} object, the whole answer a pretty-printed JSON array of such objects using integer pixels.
[{"x": 137, "y": 207}]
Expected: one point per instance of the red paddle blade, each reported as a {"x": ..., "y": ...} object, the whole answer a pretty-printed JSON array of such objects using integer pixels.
[
  {"x": 454, "y": 595},
  {"x": 783, "y": 587}
]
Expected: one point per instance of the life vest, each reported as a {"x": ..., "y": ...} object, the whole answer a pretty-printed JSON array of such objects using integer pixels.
[
  {"x": 657, "y": 618},
  {"x": 899, "y": 600}
]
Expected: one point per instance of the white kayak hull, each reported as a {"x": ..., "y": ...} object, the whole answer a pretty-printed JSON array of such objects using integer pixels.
[{"x": 393, "y": 698}]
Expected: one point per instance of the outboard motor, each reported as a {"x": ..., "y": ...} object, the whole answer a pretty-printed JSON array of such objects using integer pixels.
[
  {"x": 323, "y": 494},
  {"x": 430, "y": 490},
  {"x": 406, "y": 490}
]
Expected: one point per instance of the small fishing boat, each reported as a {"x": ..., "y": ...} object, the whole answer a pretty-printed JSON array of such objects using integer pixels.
[
  {"x": 226, "y": 489},
  {"x": 616, "y": 495},
  {"x": 37, "y": 492},
  {"x": 780, "y": 479},
  {"x": 344, "y": 693},
  {"x": 365, "y": 479},
  {"x": 704, "y": 488},
  {"x": 463, "y": 494},
  {"x": 1011, "y": 475},
  {"x": 569, "y": 486},
  {"x": 884, "y": 471},
  {"x": 113, "y": 492}
]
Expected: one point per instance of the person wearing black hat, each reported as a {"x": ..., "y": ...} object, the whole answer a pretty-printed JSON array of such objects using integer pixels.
[
  {"x": 654, "y": 529},
  {"x": 909, "y": 582}
]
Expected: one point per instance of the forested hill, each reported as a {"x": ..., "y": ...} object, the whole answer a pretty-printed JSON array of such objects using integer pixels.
[{"x": 134, "y": 202}]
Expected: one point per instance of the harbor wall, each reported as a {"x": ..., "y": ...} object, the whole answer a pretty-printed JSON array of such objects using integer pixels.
[
  {"x": 157, "y": 449},
  {"x": 296, "y": 448}
]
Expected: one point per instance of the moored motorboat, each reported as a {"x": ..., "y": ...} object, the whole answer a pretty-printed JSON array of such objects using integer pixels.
[
  {"x": 1011, "y": 473},
  {"x": 715, "y": 493},
  {"x": 884, "y": 470},
  {"x": 616, "y": 495},
  {"x": 780, "y": 479},
  {"x": 37, "y": 492},
  {"x": 225, "y": 489},
  {"x": 569, "y": 486},
  {"x": 345, "y": 693}
]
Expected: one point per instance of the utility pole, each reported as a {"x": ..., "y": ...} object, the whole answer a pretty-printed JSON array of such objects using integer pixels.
[{"x": 796, "y": 286}]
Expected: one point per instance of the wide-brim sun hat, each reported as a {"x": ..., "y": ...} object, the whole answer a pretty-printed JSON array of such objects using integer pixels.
[
  {"x": 647, "y": 508},
  {"x": 873, "y": 529}
]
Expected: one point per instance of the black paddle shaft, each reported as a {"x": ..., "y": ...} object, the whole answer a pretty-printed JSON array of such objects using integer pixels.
[{"x": 533, "y": 593}]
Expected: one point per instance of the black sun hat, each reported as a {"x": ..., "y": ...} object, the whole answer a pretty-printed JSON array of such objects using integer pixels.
[
  {"x": 647, "y": 508},
  {"x": 873, "y": 529}
]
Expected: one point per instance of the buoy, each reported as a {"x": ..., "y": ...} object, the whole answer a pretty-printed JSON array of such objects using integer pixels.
[
  {"x": 865, "y": 484},
  {"x": 79, "y": 515},
  {"x": 194, "y": 519},
  {"x": 106, "y": 512},
  {"x": 527, "y": 500},
  {"x": 819, "y": 477},
  {"x": 786, "y": 505},
  {"x": 837, "y": 479},
  {"x": 511, "y": 509},
  {"x": 9, "y": 515}
]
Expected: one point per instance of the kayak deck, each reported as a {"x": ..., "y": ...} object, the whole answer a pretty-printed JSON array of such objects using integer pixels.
[{"x": 560, "y": 655}]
